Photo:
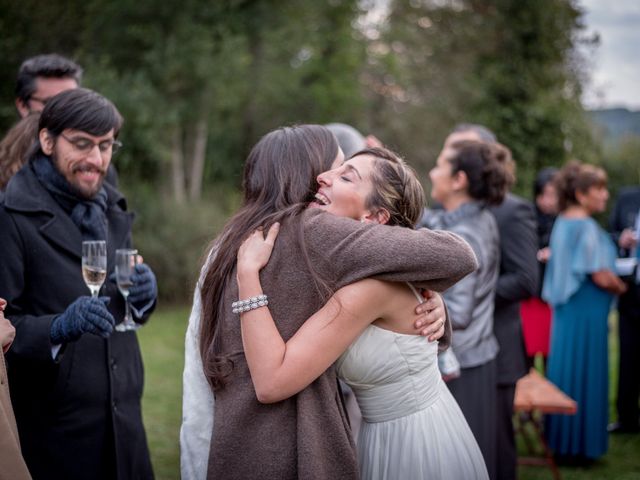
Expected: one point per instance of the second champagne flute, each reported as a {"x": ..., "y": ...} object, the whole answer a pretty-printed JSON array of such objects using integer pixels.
[{"x": 125, "y": 268}]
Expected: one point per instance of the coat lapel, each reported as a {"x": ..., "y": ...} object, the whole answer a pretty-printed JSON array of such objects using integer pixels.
[
  {"x": 61, "y": 231},
  {"x": 26, "y": 194}
]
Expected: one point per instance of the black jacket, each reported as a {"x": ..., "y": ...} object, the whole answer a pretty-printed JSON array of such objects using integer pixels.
[
  {"x": 79, "y": 415},
  {"x": 623, "y": 216},
  {"x": 518, "y": 281}
]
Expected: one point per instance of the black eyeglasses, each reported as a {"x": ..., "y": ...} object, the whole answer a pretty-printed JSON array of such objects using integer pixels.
[{"x": 85, "y": 145}]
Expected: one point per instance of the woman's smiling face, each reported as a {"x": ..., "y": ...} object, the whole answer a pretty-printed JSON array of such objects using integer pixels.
[{"x": 344, "y": 190}]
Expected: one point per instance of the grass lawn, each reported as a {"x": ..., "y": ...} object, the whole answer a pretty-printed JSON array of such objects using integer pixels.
[{"x": 162, "y": 342}]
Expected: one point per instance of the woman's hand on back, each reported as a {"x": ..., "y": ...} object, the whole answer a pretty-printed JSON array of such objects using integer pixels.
[
  {"x": 432, "y": 316},
  {"x": 255, "y": 251}
]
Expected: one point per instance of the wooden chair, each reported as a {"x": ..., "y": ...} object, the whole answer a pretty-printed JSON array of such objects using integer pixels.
[{"x": 535, "y": 396}]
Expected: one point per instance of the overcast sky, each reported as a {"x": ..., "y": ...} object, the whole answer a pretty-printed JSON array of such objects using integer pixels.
[{"x": 615, "y": 63}]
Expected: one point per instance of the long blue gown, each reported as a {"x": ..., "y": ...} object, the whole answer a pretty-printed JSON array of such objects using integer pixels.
[{"x": 578, "y": 357}]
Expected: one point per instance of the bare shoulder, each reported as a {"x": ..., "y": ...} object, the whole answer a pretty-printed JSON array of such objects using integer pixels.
[
  {"x": 374, "y": 295},
  {"x": 370, "y": 287}
]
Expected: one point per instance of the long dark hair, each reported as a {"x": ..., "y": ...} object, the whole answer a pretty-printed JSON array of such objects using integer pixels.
[
  {"x": 17, "y": 146},
  {"x": 279, "y": 179}
]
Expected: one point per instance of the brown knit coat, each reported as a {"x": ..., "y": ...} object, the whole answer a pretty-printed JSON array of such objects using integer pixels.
[{"x": 308, "y": 436}]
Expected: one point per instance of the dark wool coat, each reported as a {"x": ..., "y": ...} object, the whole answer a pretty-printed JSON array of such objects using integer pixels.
[
  {"x": 518, "y": 280},
  {"x": 308, "y": 436},
  {"x": 79, "y": 415},
  {"x": 624, "y": 213}
]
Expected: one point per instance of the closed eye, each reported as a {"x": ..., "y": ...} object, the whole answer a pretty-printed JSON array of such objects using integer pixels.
[{"x": 82, "y": 144}]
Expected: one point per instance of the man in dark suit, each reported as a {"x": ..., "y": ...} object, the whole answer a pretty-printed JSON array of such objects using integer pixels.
[
  {"x": 623, "y": 225},
  {"x": 518, "y": 281}
]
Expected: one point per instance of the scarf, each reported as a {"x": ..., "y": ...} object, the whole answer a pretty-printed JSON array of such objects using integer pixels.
[{"x": 89, "y": 215}]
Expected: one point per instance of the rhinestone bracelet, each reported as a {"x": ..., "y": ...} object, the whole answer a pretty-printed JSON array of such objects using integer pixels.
[{"x": 252, "y": 303}]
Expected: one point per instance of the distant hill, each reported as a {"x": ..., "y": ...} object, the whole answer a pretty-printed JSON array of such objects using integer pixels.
[{"x": 614, "y": 123}]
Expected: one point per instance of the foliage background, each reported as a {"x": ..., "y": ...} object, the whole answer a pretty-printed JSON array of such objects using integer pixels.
[{"x": 199, "y": 82}]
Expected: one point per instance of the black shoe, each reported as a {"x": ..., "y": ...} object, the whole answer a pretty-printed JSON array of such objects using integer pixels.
[{"x": 618, "y": 427}]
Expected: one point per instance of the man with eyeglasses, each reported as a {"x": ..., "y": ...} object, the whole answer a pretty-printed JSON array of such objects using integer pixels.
[
  {"x": 39, "y": 79},
  {"x": 76, "y": 385}
]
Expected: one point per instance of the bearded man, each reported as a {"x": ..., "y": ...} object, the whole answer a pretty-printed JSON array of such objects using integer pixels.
[{"x": 76, "y": 384}]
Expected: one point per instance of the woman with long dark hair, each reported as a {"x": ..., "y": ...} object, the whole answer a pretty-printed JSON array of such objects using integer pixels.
[
  {"x": 16, "y": 146},
  {"x": 306, "y": 436},
  {"x": 412, "y": 427}
]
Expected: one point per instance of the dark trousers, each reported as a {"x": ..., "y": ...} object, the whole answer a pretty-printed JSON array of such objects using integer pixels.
[
  {"x": 629, "y": 368},
  {"x": 507, "y": 457},
  {"x": 475, "y": 392}
]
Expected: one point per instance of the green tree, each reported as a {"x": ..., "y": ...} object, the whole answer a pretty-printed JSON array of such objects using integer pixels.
[
  {"x": 513, "y": 66},
  {"x": 531, "y": 81}
]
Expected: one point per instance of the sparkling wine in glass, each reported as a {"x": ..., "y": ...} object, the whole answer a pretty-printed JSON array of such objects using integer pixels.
[
  {"x": 94, "y": 264},
  {"x": 125, "y": 268}
]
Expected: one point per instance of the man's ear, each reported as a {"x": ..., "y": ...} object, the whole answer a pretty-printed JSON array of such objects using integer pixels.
[
  {"x": 23, "y": 108},
  {"x": 46, "y": 141}
]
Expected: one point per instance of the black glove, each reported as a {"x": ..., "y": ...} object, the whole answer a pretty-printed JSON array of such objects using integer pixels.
[
  {"x": 144, "y": 289},
  {"x": 85, "y": 315}
]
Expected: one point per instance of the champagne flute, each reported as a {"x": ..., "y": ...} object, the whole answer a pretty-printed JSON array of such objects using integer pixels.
[
  {"x": 125, "y": 268},
  {"x": 94, "y": 264}
]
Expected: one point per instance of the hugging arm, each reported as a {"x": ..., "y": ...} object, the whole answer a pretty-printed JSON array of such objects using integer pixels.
[
  {"x": 280, "y": 370},
  {"x": 344, "y": 251}
]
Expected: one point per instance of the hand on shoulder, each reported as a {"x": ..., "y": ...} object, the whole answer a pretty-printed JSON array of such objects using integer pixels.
[{"x": 255, "y": 251}]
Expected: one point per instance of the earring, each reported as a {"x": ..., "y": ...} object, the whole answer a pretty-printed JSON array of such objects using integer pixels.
[{"x": 362, "y": 220}]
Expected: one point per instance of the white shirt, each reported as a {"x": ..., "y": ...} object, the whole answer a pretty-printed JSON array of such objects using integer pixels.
[{"x": 197, "y": 400}]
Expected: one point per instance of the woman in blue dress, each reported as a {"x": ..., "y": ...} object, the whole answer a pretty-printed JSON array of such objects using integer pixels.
[{"x": 579, "y": 284}]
